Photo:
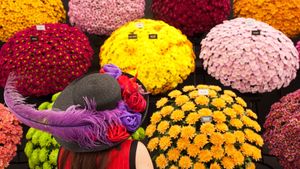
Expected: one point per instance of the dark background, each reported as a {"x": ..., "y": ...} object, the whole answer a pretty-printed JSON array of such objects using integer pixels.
[{"x": 260, "y": 103}]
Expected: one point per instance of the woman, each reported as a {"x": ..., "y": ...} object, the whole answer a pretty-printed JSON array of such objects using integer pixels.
[{"x": 92, "y": 119}]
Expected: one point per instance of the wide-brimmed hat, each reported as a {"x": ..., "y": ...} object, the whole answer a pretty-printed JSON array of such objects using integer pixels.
[{"x": 93, "y": 113}]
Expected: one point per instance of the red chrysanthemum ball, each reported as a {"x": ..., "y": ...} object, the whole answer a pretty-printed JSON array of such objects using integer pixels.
[
  {"x": 192, "y": 16},
  {"x": 10, "y": 136},
  {"x": 282, "y": 134},
  {"x": 45, "y": 58}
]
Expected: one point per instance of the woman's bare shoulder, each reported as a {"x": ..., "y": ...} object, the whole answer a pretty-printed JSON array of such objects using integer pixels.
[{"x": 142, "y": 158}]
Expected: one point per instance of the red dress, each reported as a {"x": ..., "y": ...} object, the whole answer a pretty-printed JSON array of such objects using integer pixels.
[{"x": 121, "y": 157}]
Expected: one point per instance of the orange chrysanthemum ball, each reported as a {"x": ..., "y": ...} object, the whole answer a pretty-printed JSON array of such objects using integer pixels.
[
  {"x": 204, "y": 126},
  {"x": 282, "y": 14}
]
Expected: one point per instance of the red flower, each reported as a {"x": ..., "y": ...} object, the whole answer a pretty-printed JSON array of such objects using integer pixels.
[
  {"x": 128, "y": 85},
  {"x": 117, "y": 133},
  {"x": 136, "y": 102}
]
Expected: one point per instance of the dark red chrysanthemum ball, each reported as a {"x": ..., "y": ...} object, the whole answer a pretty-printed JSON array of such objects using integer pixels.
[
  {"x": 192, "y": 16},
  {"x": 45, "y": 58}
]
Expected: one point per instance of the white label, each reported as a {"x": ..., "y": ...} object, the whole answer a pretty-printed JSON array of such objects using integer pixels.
[
  {"x": 206, "y": 119},
  {"x": 40, "y": 27},
  {"x": 139, "y": 25},
  {"x": 203, "y": 92}
]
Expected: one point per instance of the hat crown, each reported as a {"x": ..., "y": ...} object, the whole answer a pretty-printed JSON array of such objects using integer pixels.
[{"x": 102, "y": 88}]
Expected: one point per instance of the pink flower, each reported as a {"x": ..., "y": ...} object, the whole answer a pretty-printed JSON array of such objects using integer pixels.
[{"x": 233, "y": 54}]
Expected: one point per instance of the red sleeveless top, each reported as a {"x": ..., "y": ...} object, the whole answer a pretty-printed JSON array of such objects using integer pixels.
[{"x": 121, "y": 157}]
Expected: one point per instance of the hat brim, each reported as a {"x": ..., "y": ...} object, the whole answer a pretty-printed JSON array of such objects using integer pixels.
[{"x": 65, "y": 100}]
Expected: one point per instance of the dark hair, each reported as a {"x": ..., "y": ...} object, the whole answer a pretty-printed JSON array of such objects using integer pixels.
[{"x": 89, "y": 160}]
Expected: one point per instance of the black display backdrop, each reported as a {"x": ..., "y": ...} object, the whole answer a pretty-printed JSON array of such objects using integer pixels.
[{"x": 260, "y": 103}]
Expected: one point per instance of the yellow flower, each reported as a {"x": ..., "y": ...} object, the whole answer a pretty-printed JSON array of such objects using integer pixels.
[
  {"x": 238, "y": 109},
  {"x": 177, "y": 115},
  {"x": 200, "y": 140},
  {"x": 150, "y": 130},
  {"x": 174, "y": 131},
  {"x": 152, "y": 144},
  {"x": 229, "y": 138},
  {"x": 250, "y": 113},
  {"x": 217, "y": 139},
  {"x": 161, "y": 161},
  {"x": 215, "y": 165},
  {"x": 193, "y": 150},
  {"x": 253, "y": 137},
  {"x": 188, "y": 88},
  {"x": 217, "y": 152},
  {"x": 161, "y": 102},
  {"x": 250, "y": 165},
  {"x": 173, "y": 154},
  {"x": 256, "y": 153},
  {"x": 173, "y": 167},
  {"x": 216, "y": 88},
  {"x": 227, "y": 98},
  {"x": 240, "y": 101},
  {"x": 202, "y": 86},
  {"x": 188, "y": 106},
  {"x": 205, "y": 155},
  {"x": 185, "y": 162},
  {"x": 180, "y": 100},
  {"x": 202, "y": 100},
  {"x": 165, "y": 142},
  {"x": 219, "y": 117},
  {"x": 205, "y": 112},
  {"x": 182, "y": 143},
  {"x": 199, "y": 165},
  {"x": 251, "y": 123},
  {"x": 166, "y": 110},
  {"x": 236, "y": 123},
  {"x": 207, "y": 128},
  {"x": 230, "y": 112},
  {"x": 221, "y": 127},
  {"x": 174, "y": 93},
  {"x": 155, "y": 118},
  {"x": 192, "y": 118},
  {"x": 240, "y": 136},
  {"x": 252, "y": 151},
  {"x": 188, "y": 132},
  {"x": 230, "y": 93},
  {"x": 230, "y": 149},
  {"x": 228, "y": 163},
  {"x": 238, "y": 158},
  {"x": 193, "y": 94},
  {"x": 212, "y": 93},
  {"x": 163, "y": 126},
  {"x": 218, "y": 103}
]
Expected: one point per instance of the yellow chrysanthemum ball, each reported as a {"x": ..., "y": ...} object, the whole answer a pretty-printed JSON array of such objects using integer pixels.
[
  {"x": 17, "y": 15},
  {"x": 158, "y": 53},
  {"x": 204, "y": 127},
  {"x": 281, "y": 14}
]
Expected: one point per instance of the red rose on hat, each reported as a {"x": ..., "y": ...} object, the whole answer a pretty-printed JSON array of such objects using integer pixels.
[
  {"x": 117, "y": 133},
  {"x": 136, "y": 102}
]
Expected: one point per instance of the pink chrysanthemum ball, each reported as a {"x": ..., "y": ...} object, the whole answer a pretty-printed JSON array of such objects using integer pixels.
[
  {"x": 103, "y": 17},
  {"x": 250, "y": 56},
  {"x": 192, "y": 16},
  {"x": 45, "y": 58},
  {"x": 282, "y": 134},
  {"x": 10, "y": 136},
  {"x": 298, "y": 48}
]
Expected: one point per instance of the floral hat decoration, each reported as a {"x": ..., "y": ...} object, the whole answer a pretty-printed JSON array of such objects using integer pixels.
[
  {"x": 281, "y": 14},
  {"x": 192, "y": 16},
  {"x": 47, "y": 57},
  {"x": 161, "y": 55},
  {"x": 249, "y": 56},
  {"x": 10, "y": 136},
  {"x": 204, "y": 127},
  {"x": 103, "y": 17},
  {"x": 17, "y": 15},
  {"x": 282, "y": 134},
  {"x": 93, "y": 113}
]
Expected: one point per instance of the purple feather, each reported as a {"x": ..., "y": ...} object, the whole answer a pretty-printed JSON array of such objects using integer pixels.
[{"x": 85, "y": 126}]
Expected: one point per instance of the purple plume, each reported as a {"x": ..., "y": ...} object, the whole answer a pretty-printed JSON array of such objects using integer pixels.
[
  {"x": 85, "y": 126},
  {"x": 112, "y": 70}
]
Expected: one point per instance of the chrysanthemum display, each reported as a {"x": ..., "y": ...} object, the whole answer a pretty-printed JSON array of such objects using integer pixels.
[
  {"x": 17, "y": 15},
  {"x": 192, "y": 16},
  {"x": 103, "y": 17},
  {"x": 160, "y": 54},
  {"x": 10, "y": 136},
  {"x": 282, "y": 133},
  {"x": 250, "y": 56},
  {"x": 204, "y": 127},
  {"x": 298, "y": 48},
  {"x": 281, "y": 14},
  {"x": 45, "y": 58}
]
